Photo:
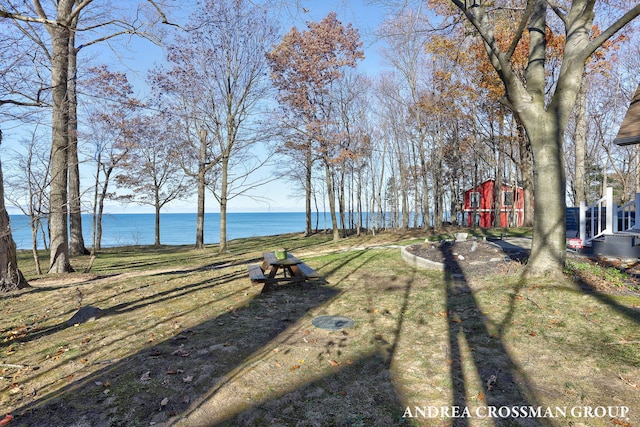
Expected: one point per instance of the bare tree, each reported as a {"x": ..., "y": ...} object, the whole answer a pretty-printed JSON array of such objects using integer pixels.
[
  {"x": 11, "y": 277},
  {"x": 112, "y": 117},
  {"x": 31, "y": 178},
  {"x": 216, "y": 83},
  {"x": 60, "y": 20},
  {"x": 152, "y": 170},
  {"x": 22, "y": 88}
]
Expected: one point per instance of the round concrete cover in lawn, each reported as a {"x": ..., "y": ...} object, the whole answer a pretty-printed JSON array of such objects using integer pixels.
[{"x": 332, "y": 323}]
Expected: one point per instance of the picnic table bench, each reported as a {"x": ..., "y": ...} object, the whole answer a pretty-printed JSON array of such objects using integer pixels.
[{"x": 292, "y": 269}]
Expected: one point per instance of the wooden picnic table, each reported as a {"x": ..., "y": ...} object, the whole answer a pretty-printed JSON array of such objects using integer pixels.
[{"x": 291, "y": 268}]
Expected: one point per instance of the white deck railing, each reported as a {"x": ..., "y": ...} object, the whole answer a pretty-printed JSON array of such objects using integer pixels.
[
  {"x": 601, "y": 218},
  {"x": 627, "y": 213}
]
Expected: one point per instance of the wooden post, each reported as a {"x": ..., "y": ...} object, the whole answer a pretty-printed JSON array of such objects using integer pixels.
[{"x": 611, "y": 212}]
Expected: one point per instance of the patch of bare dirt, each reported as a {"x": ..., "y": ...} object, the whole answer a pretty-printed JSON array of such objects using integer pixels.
[{"x": 472, "y": 258}]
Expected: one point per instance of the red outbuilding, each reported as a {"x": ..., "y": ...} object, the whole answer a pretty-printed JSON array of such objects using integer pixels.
[{"x": 480, "y": 205}]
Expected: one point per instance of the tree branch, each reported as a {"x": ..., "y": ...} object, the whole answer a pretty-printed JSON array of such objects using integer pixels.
[
  {"x": 20, "y": 103},
  {"x": 24, "y": 18},
  {"x": 558, "y": 11},
  {"x": 609, "y": 32},
  {"x": 76, "y": 11},
  {"x": 162, "y": 14},
  {"x": 108, "y": 37},
  {"x": 521, "y": 27},
  {"x": 39, "y": 9}
]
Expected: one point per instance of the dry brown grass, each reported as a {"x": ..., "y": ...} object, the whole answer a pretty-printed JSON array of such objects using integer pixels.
[{"x": 187, "y": 340}]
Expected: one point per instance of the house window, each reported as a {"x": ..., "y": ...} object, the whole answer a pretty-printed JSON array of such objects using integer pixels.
[
  {"x": 474, "y": 200},
  {"x": 507, "y": 198}
]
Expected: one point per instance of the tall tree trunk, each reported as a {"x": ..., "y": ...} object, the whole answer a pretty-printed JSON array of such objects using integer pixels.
[
  {"x": 497, "y": 188},
  {"x": 526, "y": 170},
  {"x": 404, "y": 195},
  {"x": 341, "y": 201},
  {"x": 103, "y": 196},
  {"x": 545, "y": 128},
  {"x": 76, "y": 240},
  {"x": 437, "y": 191},
  {"x": 223, "y": 204},
  {"x": 94, "y": 217},
  {"x": 157, "y": 227},
  {"x": 99, "y": 222},
  {"x": 580, "y": 140},
  {"x": 425, "y": 187},
  {"x": 59, "y": 259},
  {"x": 332, "y": 200},
  {"x": 359, "y": 212},
  {"x": 307, "y": 189},
  {"x": 548, "y": 250},
  {"x": 202, "y": 169}
]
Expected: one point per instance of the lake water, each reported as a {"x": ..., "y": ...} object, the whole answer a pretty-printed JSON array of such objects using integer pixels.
[{"x": 176, "y": 228}]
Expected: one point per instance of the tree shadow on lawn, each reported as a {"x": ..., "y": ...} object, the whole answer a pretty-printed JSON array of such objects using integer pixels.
[
  {"x": 180, "y": 369},
  {"x": 121, "y": 309},
  {"x": 124, "y": 307},
  {"x": 503, "y": 383},
  {"x": 355, "y": 389},
  {"x": 189, "y": 288},
  {"x": 238, "y": 357}
]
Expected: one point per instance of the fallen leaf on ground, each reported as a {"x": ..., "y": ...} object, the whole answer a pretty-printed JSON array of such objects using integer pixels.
[
  {"x": 164, "y": 402},
  {"x": 333, "y": 363}
]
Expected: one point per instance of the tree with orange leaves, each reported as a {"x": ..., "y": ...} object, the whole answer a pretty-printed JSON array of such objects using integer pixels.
[
  {"x": 542, "y": 106},
  {"x": 305, "y": 68}
]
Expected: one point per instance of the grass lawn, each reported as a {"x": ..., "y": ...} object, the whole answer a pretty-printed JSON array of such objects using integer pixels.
[{"x": 186, "y": 339}]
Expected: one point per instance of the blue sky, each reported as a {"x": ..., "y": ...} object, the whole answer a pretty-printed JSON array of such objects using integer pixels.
[
  {"x": 144, "y": 55},
  {"x": 141, "y": 55}
]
